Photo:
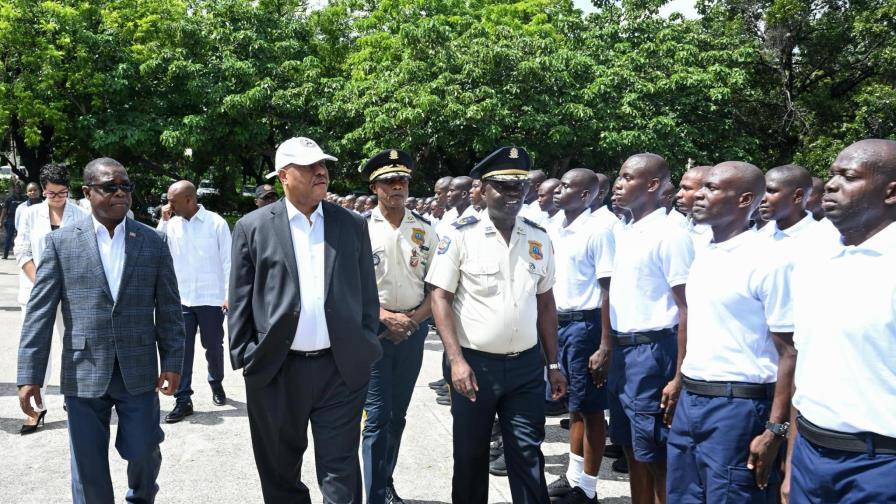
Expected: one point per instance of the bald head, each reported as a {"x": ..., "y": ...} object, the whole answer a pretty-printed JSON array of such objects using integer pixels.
[
  {"x": 731, "y": 191},
  {"x": 459, "y": 193},
  {"x": 813, "y": 202},
  {"x": 791, "y": 176},
  {"x": 747, "y": 178},
  {"x": 652, "y": 164},
  {"x": 786, "y": 190},
  {"x": 577, "y": 188},
  {"x": 546, "y": 196},
  {"x": 603, "y": 187},
  {"x": 860, "y": 197},
  {"x": 536, "y": 177},
  {"x": 182, "y": 199},
  {"x": 441, "y": 191},
  {"x": 690, "y": 183},
  {"x": 638, "y": 188}
]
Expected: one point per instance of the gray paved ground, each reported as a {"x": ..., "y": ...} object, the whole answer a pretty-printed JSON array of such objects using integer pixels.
[{"x": 208, "y": 457}]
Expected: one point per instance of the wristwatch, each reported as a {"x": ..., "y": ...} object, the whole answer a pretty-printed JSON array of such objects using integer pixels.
[
  {"x": 778, "y": 429},
  {"x": 553, "y": 366}
]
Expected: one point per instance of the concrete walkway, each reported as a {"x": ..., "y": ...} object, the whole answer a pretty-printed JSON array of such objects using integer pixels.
[{"x": 208, "y": 456}]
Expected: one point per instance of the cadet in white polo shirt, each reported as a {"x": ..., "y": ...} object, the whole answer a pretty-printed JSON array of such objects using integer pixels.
[
  {"x": 584, "y": 255},
  {"x": 492, "y": 301},
  {"x": 601, "y": 214},
  {"x": 403, "y": 243},
  {"x": 648, "y": 313},
  {"x": 731, "y": 420},
  {"x": 788, "y": 188},
  {"x": 691, "y": 182},
  {"x": 845, "y": 317}
]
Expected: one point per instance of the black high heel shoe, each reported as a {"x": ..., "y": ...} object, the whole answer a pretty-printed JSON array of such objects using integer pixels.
[{"x": 31, "y": 429}]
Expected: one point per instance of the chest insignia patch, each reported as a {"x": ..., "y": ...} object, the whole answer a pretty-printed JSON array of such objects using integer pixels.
[
  {"x": 443, "y": 245},
  {"x": 535, "y": 250},
  {"x": 415, "y": 259},
  {"x": 418, "y": 236}
]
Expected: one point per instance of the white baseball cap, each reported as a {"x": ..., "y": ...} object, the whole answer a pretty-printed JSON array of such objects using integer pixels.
[{"x": 300, "y": 151}]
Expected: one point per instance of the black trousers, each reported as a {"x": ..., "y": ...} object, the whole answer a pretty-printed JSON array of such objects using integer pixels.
[
  {"x": 307, "y": 389},
  {"x": 514, "y": 389}
]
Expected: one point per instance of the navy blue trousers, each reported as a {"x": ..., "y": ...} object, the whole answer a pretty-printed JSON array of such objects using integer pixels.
[
  {"x": 821, "y": 475},
  {"x": 137, "y": 441},
  {"x": 10, "y": 227},
  {"x": 514, "y": 389},
  {"x": 389, "y": 392},
  {"x": 210, "y": 322},
  {"x": 708, "y": 447}
]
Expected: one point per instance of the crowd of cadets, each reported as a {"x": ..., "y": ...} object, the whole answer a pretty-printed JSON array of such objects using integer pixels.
[{"x": 713, "y": 321}]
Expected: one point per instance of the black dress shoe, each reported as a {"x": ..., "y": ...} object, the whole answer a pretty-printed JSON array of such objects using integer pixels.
[
  {"x": 498, "y": 467},
  {"x": 564, "y": 423},
  {"x": 443, "y": 391},
  {"x": 613, "y": 451},
  {"x": 437, "y": 384},
  {"x": 392, "y": 497},
  {"x": 555, "y": 408},
  {"x": 444, "y": 400},
  {"x": 559, "y": 488},
  {"x": 620, "y": 465},
  {"x": 219, "y": 397},
  {"x": 180, "y": 411}
]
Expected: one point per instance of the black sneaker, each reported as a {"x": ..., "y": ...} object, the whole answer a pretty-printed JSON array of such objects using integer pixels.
[
  {"x": 557, "y": 408},
  {"x": 437, "y": 384},
  {"x": 180, "y": 411},
  {"x": 577, "y": 496},
  {"x": 498, "y": 467},
  {"x": 392, "y": 496},
  {"x": 613, "y": 451},
  {"x": 559, "y": 488},
  {"x": 620, "y": 465}
]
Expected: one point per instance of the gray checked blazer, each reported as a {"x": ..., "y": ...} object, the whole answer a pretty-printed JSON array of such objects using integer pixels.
[{"x": 145, "y": 323}]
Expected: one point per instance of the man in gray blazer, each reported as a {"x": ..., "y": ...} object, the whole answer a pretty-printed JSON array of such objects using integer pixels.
[
  {"x": 304, "y": 312},
  {"x": 116, "y": 283}
]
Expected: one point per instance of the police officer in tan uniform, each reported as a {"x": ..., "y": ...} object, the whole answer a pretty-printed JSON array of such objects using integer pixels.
[
  {"x": 492, "y": 277},
  {"x": 403, "y": 243}
]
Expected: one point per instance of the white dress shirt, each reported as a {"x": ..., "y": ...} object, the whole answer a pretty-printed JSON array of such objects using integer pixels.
[
  {"x": 200, "y": 249},
  {"x": 651, "y": 258},
  {"x": 845, "y": 317},
  {"x": 308, "y": 246},
  {"x": 111, "y": 253},
  {"x": 443, "y": 225},
  {"x": 583, "y": 254},
  {"x": 737, "y": 292}
]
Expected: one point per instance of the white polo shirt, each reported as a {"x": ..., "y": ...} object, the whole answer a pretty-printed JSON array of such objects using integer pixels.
[
  {"x": 651, "y": 258},
  {"x": 583, "y": 254},
  {"x": 494, "y": 283},
  {"x": 534, "y": 213},
  {"x": 845, "y": 316},
  {"x": 677, "y": 218},
  {"x": 801, "y": 228},
  {"x": 737, "y": 292},
  {"x": 604, "y": 218}
]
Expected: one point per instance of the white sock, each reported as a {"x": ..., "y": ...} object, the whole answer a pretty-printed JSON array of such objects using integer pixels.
[
  {"x": 575, "y": 469},
  {"x": 588, "y": 484}
]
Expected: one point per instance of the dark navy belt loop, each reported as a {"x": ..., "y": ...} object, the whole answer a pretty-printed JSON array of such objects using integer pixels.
[
  {"x": 730, "y": 391},
  {"x": 869, "y": 444}
]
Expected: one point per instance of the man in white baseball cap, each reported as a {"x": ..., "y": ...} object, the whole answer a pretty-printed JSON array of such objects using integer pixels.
[{"x": 300, "y": 151}]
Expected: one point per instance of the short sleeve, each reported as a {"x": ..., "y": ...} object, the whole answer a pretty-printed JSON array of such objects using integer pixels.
[
  {"x": 774, "y": 290},
  {"x": 603, "y": 248},
  {"x": 444, "y": 272},
  {"x": 431, "y": 242},
  {"x": 547, "y": 281},
  {"x": 676, "y": 255}
]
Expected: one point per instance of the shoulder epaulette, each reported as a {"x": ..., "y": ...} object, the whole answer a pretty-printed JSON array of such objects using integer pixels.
[
  {"x": 470, "y": 219},
  {"x": 536, "y": 226},
  {"x": 415, "y": 214},
  {"x": 366, "y": 214}
]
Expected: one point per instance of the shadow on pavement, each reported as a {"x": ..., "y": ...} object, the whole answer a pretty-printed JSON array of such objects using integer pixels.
[
  {"x": 213, "y": 416},
  {"x": 12, "y": 425}
]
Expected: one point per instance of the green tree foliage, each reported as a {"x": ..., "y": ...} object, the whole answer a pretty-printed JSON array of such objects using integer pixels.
[{"x": 207, "y": 88}]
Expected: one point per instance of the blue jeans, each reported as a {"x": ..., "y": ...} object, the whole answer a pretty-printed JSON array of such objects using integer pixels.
[{"x": 392, "y": 381}]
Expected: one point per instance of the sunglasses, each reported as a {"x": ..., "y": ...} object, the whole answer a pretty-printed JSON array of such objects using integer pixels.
[{"x": 112, "y": 187}]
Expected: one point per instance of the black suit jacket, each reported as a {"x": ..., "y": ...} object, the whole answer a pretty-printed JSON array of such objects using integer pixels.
[{"x": 264, "y": 294}]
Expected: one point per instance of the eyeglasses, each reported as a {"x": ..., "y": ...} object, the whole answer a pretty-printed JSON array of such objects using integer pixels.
[
  {"x": 112, "y": 187},
  {"x": 54, "y": 194}
]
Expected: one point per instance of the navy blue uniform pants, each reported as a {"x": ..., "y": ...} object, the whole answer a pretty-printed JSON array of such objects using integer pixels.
[
  {"x": 392, "y": 381},
  {"x": 821, "y": 475},
  {"x": 708, "y": 447},
  {"x": 137, "y": 441},
  {"x": 10, "y": 227},
  {"x": 512, "y": 388},
  {"x": 210, "y": 322}
]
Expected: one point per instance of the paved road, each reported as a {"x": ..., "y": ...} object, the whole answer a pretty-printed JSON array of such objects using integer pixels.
[{"x": 208, "y": 457}]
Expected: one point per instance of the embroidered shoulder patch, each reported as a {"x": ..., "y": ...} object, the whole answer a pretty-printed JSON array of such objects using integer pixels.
[
  {"x": 535, "y": 250},
  {"x": 443, "y": 245}
]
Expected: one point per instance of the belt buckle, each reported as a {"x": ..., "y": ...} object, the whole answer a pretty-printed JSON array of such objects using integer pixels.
[
  {"x": 512, "y": 355},
  {"x": 315, "y": 353}
]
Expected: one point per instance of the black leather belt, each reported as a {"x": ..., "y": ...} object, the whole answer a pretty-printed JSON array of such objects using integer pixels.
[
  {"x": 500, "y": 356},
  {"x": 310, "y": 355},
  {"x": 640, "y": 338},
  {"x": 861, "y": 442},
  {"x": 575, "y": 316},
  {"x": 729, "y": 389}
]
